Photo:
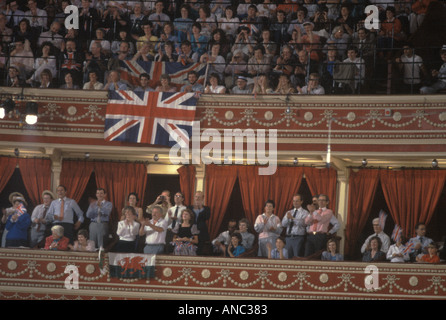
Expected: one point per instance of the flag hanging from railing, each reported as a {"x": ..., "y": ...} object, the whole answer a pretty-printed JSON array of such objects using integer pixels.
[{"x": 160, "y": 118}]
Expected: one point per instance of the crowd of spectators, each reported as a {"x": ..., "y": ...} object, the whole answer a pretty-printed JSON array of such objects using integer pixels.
[{"x": 250, "y": 46}]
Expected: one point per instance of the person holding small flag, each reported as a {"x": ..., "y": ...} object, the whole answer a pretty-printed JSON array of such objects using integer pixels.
[{"x": 17, "y": 225}]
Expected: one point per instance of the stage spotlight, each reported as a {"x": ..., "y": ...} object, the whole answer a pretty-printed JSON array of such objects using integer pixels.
[
  {"x": 156, "y": 157},
  {"x": 87, "y": 155},
  {"x": 364, "y": 162},
  {"x": 31, "y": 113},
  {"x": 6, "y": 107}
]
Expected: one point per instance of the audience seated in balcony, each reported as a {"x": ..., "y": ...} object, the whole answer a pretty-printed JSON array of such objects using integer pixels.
[
  {"x": 197, "y": 40},
  {"x": 412, "y": 70},
  {"x": 221, "y": 243},
  {"x": 47, "y": 60},
  {"x": 183, "y": 24},
  {"x": 52, "y": 36},
  {"x": 114, "y": 82},
  {"x": 247, "y": 237},
  {"x": 397, "y": 251},
  {"x": 242, "y": 86},
  {"x": 192, "y": 85},
  {"x": 313, "y": 86},
  {"x": 82, "y": 243},
  {"x": 378, "y": 231},
  {"x": 431, "y": 256},
  {"x": 13, "y": 78},
  {"x": 332, "y": 253},
  {"x": 259, "y": 63},
  {"x": 93, "y": 84},
  {"x": 279, "y": 251},
  {"x": 69, "y": 84},
  {"x": 144, "y": 80},
  {"x": 214, "y": 85},
  {"x": 123, "y": 36},
  {"x": 57, "y": 241},
  {"x": 439, "y": 75},
  {"x": 261, "y": 85},
  {"x": 165, "y": 84},
  {"x": 235, "y": 247},
  {"x": 373, "y": 251},
  {"x": 22, "y": 57},
  {"x": 237, "y": 29},
  {"x": 148, "y": 36}
]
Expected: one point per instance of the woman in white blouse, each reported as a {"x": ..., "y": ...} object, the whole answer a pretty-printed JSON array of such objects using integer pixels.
[{"x": 127, "y": 231}]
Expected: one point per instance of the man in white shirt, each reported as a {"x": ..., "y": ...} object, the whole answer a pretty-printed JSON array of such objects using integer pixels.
[
  {"x": 220, "y": 243},
  {"x": 38, "y": 218},
  {"x": 155, "y": 232},
  {"x": 380, "y": 233},
  {"x": 412, "y": 68},
  {"x": 37, "y": 17},
  {"x": 65, "y": 212},
  {"x": 313, "y": 86},
  {"x": 52, "y": 36}
]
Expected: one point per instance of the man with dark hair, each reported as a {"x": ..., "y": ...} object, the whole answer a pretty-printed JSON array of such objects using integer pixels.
[
  {"x": 318, "y": 222},
  {"x": 65, "y": 212},
  {"x": 193, "y": 85},
  {"x": 144, "y": 79},
  {"x": 99, "y": 214},
  {"x": 419, "y": 243}
]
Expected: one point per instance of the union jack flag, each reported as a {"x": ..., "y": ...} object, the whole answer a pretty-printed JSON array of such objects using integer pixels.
[
  {"x": 161, "y": 118},
  {"x": 131, "y": 70}
]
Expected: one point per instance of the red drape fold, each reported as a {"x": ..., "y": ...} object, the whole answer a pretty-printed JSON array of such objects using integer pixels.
[
  {"x": 323, "y": 181},
  {"x": 255, "y": 190},
  {"x": 74, "y": 176},
  {"x": 7, "y": 167},
  {"x": 361, "y": 194},
  {"x": 285, "y": 183},
  {"x": 412, "y": 195},
  {"x": 187, "y": 183},
  {"x": 36, "y": 175},
  {"x": 219, "y": 183}
]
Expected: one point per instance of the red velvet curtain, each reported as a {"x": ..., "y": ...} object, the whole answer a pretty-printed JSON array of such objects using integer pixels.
[
  {"x": 361, "y": 194},
  {"x": 187, "y": 183},
  {"x": 323, "y": 181},
  {"x": 7, "y": 167},
  {"x": 285, "y": 183},
  {"x": 255, "y": 190},
  {"x": 219, "y": 183},
  {"x": 412, "y": 195},
  {"x": 36, "y": 175},
  {"x": 74, "y": 176},
  {"x": 119, "y": 179}
]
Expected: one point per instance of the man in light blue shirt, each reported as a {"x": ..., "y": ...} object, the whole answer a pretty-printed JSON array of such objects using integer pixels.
[
  {"x": 193, "y": 85},
  {"x": 419, "y": 243},
  {"x": 294, "y": 224},
  {"x": 65, "y": 212},
  {"x": 99, "y": 214}
]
